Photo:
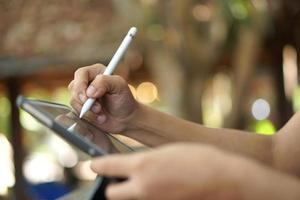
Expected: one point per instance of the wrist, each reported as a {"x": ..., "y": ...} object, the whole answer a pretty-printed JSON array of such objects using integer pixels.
[
  {"x": 133, "y": 119},
  {"x": 146, "y": 126}
]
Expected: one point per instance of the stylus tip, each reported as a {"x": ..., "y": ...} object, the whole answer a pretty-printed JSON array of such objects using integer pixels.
[
  {"x": 71, "y": 128},
  {"x": 81, "y": 114},
  {"x": 86, "y": 107}
]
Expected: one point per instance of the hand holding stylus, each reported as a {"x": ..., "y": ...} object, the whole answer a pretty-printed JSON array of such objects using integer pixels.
[
  {"x": 111, "y": 66},
  {"x": 108, "y": 97}
]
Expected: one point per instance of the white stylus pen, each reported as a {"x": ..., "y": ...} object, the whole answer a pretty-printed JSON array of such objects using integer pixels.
[{"x": 111, "y": 66}]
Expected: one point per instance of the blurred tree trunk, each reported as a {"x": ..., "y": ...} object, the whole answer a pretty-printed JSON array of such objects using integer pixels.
[
  {"x": 247, "y": 50},
  {"x": 167, "y": 72},
  {"x": 244, "y": 62},
  {"x": 196, "y": 50},
  {"x": 287, "y": 23}
]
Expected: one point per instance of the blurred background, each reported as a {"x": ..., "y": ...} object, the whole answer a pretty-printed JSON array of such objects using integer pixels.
[{"x": 230, "y": 63}]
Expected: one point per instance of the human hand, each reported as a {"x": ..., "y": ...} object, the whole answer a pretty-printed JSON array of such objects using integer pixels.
[
  {"x": 180, "y": 171},
  {"x": 84, "y": 129},
  {"x": 114, "y": 106}
]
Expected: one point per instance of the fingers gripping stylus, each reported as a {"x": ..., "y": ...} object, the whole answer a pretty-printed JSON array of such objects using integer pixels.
[{"x": 111, "y": 66}]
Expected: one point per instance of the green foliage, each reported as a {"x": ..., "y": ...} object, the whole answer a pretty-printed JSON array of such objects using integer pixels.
[
  {"x": 5, "y": 108},
  {"x": 239, "y": 9},
  {"x": 296, "y": 99},
  {"x": 264, "y": 127}
]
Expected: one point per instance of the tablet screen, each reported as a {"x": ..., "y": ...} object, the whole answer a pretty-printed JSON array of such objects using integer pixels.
[{"x": 66, "y": 118}]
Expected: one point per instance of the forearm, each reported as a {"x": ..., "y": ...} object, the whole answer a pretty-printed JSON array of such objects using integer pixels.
[
  {"x": 264, "y": 183},
  {"x": 153, "y": 128}
]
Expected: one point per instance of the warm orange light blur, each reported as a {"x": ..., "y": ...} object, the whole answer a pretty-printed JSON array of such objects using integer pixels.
[
  {"x": 146, "y": 92},
  {"x": 260, "y": 4},
  {"x": 202, "y": 13},
  {"x": 290, "y": 70}
]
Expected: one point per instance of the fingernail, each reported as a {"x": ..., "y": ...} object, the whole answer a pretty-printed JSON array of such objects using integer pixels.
[
  {"x": 96, "y": 108},
  {"x": 91, "y": 90},
  {"x": 82, "y": 97},
  {"x": 101, "y": 119}
]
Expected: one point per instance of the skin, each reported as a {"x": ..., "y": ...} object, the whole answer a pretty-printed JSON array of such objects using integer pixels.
[
  {"x": 87, "y": 131},
  {"x": 118, "y": 112},
  {"x": 202, "y": 172}
]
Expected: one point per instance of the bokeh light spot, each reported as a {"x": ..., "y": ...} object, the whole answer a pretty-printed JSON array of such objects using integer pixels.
[
  {"x": 265, "y": 127},
  {"x": 146, "y": 92},
  {"x": 261, "y": 109}
]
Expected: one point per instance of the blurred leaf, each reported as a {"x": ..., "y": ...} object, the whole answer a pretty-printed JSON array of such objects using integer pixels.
[{"x": 265, "y": 127}]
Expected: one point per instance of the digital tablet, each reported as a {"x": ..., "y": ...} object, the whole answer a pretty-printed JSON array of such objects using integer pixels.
[{"x": 85, "y": 136}]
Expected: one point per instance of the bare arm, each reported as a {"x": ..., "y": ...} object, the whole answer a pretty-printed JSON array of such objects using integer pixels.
[
  {"x": 154, "y": 128},
  {"x": 282, "y": 151},
  {"x": 117, "y": 111},
  {"x": 287, "y": 146}
]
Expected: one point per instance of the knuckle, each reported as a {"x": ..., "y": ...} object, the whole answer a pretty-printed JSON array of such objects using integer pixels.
[
  {"x": 80, "y": 71},
  {"x": 119, "y": 78},
  {"x": 99, "y": 65},
  {"x": 71, "y": 84},
  {"x": 79, "y": 86},
  {"x": 100, "y": 76},
  {"x": 75, "y": 104},
  {"x": 100, "y": 79}
]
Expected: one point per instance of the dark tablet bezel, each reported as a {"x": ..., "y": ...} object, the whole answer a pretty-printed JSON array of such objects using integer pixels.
[{"x": 76, "y": 140}]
